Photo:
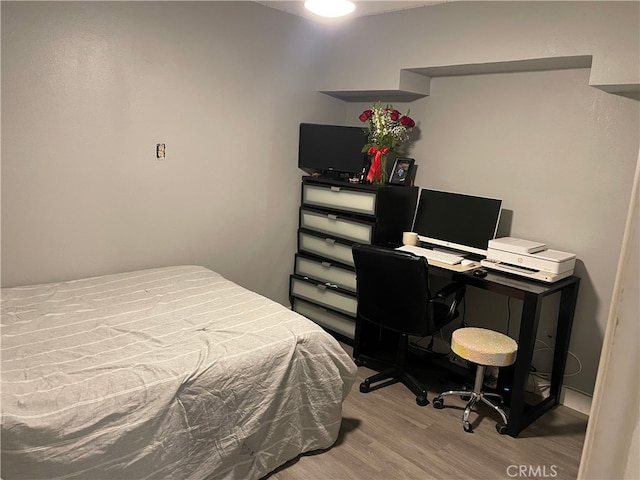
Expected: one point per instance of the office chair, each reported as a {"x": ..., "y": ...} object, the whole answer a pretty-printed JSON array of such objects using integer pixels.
[{"x": 392, "y": 289}]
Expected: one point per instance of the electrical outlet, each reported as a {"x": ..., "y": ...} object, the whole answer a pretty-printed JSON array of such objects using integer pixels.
[
  {"x": 547, "y": 338},
  {"x": 160, "y": 150}
]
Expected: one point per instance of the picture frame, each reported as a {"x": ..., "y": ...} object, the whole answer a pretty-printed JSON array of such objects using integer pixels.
[{"x": 402, "y": 171}]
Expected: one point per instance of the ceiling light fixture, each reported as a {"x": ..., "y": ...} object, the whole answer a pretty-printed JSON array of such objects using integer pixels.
[{"x": 330, "y": 8}]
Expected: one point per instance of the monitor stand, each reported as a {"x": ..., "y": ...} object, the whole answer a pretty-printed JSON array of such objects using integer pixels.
[
  {"x": 332, "y": 175},
  {"x": 450, "y": 251},
  {"x": 460, "y": 253}
]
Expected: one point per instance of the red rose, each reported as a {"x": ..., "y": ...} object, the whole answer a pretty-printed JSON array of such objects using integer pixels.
[
  {"x": 407, "y": 122},
  {"x": 395, "y": 115},
  {"x": 366, "y": 115}
]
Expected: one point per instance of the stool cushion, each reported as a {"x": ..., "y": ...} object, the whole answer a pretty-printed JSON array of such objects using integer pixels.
[{"x": 484, "y": 347}]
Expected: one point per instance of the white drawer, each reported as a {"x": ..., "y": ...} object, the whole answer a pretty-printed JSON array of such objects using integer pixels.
[
  {"x": 326, "y": 272},
  {"x": 326, "y": 318},
  {"x": 336, "y": 226},
  {"x": 325, "y": 247},
  {"x": 340, "y": 198},
  {"x": 323, "y": 295}
]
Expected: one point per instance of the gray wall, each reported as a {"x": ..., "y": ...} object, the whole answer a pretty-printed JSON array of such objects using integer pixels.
[
  {"x": 88, "y": 89},
  {"x": 559, "y": 152},
  {"x": 563, "y": 169}
]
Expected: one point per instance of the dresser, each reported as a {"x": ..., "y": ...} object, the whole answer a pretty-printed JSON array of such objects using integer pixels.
[{"x": 334, "y": 215}]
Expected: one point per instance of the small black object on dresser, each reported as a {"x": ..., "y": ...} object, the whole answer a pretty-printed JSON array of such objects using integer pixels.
[{"x": 333, "y": 216}]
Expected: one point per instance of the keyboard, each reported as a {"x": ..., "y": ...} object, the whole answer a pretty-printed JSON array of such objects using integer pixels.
[{"x": 436, "y": 255}]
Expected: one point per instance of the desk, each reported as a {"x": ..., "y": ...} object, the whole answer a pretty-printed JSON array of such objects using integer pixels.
[{"x": 532, "y": 295}]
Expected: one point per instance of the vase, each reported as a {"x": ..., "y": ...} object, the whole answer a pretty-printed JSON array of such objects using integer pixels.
[
  {"x": 378, "y": 169},
  {"x": 382, "y": 178}
]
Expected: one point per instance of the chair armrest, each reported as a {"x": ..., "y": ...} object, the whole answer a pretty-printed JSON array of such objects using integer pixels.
[
  {"x": 454, "y": 289},
  {"x": 448, "y": 290}
]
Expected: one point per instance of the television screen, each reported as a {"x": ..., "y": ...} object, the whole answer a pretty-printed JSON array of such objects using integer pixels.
[
  {"x": 463, "y": 223},
  {"x": 331, "y": 149}
]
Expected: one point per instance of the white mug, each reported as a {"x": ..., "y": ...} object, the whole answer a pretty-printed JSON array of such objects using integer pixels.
[{"x": 410, "y": 238}]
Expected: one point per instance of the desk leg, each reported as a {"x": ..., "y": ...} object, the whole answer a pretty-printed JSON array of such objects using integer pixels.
[
  {"x": 518, "y": 418},
  {"x": 568, "y": 298},
  {"x": 531, "y": 308}
]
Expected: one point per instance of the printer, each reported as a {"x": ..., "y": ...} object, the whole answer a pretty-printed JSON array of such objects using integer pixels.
[{"x": 528, "y": 259}]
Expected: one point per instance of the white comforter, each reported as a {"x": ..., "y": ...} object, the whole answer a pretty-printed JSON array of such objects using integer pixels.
[{"x": 164, "y": 373}]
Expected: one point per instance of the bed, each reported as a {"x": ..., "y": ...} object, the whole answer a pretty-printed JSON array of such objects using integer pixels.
[{"x": 172, "y": 372}]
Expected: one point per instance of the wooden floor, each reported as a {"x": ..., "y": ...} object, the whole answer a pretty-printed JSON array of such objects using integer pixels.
[{"x": 385, "y": 435}]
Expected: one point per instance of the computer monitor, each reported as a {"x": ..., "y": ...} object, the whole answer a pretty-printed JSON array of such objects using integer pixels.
[
  {"x": 463, "y": 223},
  {"x": 331, "y": 149}
]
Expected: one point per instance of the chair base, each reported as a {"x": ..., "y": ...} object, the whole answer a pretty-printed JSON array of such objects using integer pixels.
[
  {"x": 398, "y": 375},
  {"x": 475, "y": 396}
]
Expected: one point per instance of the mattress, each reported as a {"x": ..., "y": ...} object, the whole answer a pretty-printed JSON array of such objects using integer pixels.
[{"x": 165, "y": 373}]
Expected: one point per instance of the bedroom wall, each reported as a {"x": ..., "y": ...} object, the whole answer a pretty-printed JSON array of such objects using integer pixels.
[
  {"x": 89, "y": 88},
  {"x": 370, "y": 52},
  {"x": 559, "y": 152}
]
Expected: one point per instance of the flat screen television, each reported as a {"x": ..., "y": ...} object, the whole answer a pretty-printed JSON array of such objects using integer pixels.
[
  {"x": 331, "y": 149},
  {"x": 462, "y": 223}
]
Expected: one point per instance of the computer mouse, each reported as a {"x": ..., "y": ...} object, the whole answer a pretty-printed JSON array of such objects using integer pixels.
[
  {"x": 480, "y": 273},
  {"x": 467, "y": 262}
]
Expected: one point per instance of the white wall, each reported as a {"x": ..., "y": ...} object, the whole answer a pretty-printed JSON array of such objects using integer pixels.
[{"x": 89, "y": 88}]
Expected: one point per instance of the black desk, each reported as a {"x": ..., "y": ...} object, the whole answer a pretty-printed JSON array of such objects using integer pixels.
[{"x": 532, "y": 295}]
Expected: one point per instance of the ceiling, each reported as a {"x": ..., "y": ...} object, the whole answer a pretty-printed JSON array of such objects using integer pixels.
[{"x": 363, "y": 7}]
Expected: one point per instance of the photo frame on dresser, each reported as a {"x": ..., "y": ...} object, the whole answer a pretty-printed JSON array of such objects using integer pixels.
[{"x": 402, "y": 171}]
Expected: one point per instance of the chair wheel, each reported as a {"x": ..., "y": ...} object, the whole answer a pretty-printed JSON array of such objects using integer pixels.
[
  {"x": 365, "y": 387},
  {"x": 422, "y": 400},
  {"x": 438, "y": 403},
  {"x": 501, "y": 428},
  {"x": 467, "y": 427}
]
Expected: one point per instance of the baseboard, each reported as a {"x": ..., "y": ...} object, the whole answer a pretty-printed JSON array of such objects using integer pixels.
[{"x": 578, "y": 401}]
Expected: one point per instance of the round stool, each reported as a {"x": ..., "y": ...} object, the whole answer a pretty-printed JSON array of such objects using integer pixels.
[{"x": 484, "y": 348}]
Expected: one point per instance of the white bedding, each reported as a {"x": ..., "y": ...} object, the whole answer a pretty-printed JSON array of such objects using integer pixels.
[{"x": 165, "y": 373}]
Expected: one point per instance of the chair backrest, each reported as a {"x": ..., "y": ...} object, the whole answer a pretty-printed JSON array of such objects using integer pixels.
[{"x": 393, "y": 290}]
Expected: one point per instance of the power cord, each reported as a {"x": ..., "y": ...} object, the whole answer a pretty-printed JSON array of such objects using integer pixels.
[{"x": 546, "y": 376}]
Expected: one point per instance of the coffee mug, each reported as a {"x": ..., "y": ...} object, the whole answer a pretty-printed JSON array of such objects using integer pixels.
[{"x": 410, "y": 238}]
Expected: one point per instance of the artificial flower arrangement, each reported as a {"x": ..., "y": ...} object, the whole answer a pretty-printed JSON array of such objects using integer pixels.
[{"x": 386, "y": 129}]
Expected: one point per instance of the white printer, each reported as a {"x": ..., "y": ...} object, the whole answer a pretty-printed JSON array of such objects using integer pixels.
[{"x": 528, "y": 259}]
